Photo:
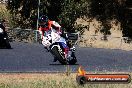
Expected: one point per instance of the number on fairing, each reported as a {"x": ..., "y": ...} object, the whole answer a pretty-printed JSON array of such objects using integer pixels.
[{"x": 48, "y": 37}]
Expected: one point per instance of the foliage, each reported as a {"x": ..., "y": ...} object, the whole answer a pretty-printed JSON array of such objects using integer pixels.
[
  {"x": 106, "y": 10},
  {"x": 63, "y": 11},
  {"x": 67, "y": 11},
  {"x": 23, "y": 11},
  {"x": 73, "y": 9},
  {"x": 5, "y": 15}
]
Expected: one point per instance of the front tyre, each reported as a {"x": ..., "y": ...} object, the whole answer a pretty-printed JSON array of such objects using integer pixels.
[{"x": 59, "y": 55}]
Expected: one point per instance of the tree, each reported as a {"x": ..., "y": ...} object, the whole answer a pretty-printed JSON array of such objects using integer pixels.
[
  {"x": 64, "y": 11},
  {"x": 5, "y": 15},
  {"x": 23, "y": 11},
  {"x": 127, "y": 21},
  {"x": 71, "y": 10},
  {"x": 106, "y": 10}
]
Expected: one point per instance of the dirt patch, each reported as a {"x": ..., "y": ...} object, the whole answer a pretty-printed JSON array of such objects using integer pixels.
[{"x": 93, "y": 38}]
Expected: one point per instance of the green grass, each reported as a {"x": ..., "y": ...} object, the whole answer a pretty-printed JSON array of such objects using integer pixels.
[{"x": 60, "y": 80}]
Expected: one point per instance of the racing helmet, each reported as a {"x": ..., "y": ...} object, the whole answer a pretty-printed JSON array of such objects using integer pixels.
[{"x": 43, "y": 19}]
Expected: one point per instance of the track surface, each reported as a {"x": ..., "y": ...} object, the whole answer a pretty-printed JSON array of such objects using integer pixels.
[{"x": 26, "y": 57}]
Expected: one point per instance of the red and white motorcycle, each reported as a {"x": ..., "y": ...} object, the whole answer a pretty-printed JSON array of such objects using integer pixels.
[{"x": 53, "y": 41}]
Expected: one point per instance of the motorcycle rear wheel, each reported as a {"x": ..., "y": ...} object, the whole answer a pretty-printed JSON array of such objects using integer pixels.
[
  {"x": 8, "y": 46},
  {"x": 4, "y": 44},
  {"x": 73, "y": 59}
]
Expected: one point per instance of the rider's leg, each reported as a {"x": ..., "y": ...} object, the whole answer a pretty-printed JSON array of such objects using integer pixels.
[{"x": 66, "y": 50}]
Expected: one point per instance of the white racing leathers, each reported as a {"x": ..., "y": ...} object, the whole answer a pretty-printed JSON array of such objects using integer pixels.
[{"x": 51, "y": 36}]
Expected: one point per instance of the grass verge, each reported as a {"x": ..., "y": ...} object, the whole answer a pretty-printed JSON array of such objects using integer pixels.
[{"x": 45, "y": 80}]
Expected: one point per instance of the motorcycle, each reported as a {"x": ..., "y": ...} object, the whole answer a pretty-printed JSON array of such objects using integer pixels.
[
  {"x": 54, "y": 41},
  {"x": 4, "y": 41}
]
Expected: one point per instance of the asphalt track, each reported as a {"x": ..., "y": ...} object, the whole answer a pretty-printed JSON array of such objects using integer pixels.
[{"x": 26, "y": 57}]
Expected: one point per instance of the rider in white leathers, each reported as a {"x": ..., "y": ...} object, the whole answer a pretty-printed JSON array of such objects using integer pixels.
[{"x": 46, "y": 25}]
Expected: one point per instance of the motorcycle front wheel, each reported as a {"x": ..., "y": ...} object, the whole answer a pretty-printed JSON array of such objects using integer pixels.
[{"x": 59, "y": 55}]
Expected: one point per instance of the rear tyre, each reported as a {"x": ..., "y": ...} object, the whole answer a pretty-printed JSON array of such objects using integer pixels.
[
  {"x": 59, "y": 55},
  {"x": 4, "y": 44},
  {"x": 7, "y": 44}
]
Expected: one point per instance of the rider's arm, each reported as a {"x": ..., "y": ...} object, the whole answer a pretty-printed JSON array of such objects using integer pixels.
[
  {"x": 40, "y": 30},
  {"x": 56, "y": 26}
]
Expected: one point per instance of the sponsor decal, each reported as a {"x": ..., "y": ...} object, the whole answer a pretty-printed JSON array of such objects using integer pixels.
[{"x": 83, "y": 78}]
